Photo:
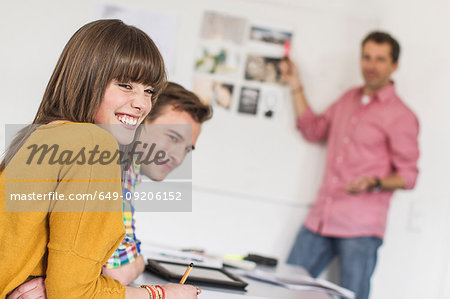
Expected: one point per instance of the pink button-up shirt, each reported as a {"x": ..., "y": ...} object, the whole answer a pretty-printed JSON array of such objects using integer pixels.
[{"x": 373, "y": 140}]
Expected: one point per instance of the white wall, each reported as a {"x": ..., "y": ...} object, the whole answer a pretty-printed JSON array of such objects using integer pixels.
[
  {"x": 417, "y": 246},
  {"x": 415, "y": 260}
]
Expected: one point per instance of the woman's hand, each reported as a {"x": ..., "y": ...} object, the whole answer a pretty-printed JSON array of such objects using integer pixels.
[{"x": 180, "y": 291}]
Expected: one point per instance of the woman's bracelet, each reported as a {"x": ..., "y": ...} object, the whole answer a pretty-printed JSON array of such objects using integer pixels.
[
  {"x": 150, "y": 290},
  {"x": 162, "y": 291},
  {"x": 155, "y": 292}
]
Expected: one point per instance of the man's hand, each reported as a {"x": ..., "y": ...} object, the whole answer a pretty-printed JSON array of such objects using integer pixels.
[
  {"x": 290, "y": 73},
  {"x": 362, "y": 184},
  {"x": 33, "y": 289}
]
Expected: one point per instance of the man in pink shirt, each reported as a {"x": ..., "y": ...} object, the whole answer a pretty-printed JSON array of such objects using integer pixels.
[{"x": 372, "y": 150}]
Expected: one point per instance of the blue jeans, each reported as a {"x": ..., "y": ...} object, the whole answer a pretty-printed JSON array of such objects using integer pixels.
[{"x": 357, "y": 258}]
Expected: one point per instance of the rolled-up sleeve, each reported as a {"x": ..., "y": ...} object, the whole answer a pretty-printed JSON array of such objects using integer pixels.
[
  {"x": 315, "y": 127},
  {"x": 404, "y": 147}
]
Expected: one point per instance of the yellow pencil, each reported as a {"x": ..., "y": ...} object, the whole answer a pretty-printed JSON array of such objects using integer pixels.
[{"x": 188, "y": 270}]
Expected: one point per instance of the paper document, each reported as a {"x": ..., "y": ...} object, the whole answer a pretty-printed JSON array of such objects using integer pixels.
[
  {"x": 221, "y": 295},
  {"x": 298, "y": 282}
]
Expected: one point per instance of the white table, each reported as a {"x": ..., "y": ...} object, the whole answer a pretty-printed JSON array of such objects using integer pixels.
[{"x": 255, "y": 288}]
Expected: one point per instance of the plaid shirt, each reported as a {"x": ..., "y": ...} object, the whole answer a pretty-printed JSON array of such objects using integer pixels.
[{"x": 130, "y": 247}]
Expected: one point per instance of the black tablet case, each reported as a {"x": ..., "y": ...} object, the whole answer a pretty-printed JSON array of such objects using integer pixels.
[{"x": 157, "y": 267}]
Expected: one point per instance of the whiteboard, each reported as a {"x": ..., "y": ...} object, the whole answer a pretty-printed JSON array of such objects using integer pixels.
[
  {"x": 267, "y": 159},
  {"x": 236, "y": 154}
]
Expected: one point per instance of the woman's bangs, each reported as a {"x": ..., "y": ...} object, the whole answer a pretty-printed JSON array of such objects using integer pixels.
[{"x": 142, "y": 64}]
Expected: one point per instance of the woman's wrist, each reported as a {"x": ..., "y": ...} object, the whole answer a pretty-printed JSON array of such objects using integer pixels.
[{"x": 155, "y": 291}]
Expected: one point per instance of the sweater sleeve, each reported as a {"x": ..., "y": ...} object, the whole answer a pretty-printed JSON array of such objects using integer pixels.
[
  {"x": 84, "y": 233},
  {"x": 75, "y": 271}
]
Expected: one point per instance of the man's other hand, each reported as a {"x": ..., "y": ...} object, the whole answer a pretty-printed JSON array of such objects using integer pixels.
[
  {"x": 362, "y": 184},
  {"x": 33, "y": 289}
]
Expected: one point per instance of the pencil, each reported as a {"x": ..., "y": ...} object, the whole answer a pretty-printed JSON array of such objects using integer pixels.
[{"x": 188, "y": 270}]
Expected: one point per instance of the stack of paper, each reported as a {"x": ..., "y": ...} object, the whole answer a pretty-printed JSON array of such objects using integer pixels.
[
  {"x": 221, "y": 295},
  {"x": 302, "y": 283}
]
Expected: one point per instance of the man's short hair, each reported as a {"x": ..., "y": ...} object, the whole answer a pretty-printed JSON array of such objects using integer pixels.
[
  {"x": 383, "y": 37},
  {"x": 181, "y": 100}
]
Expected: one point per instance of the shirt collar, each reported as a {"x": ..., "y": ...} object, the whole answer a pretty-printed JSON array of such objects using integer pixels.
[
  {"x": 383, "y": 94},
  {"x": 386, "y": 92}
]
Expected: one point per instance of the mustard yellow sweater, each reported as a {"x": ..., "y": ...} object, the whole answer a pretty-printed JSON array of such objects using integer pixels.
[{"x": 40, "y": 238}]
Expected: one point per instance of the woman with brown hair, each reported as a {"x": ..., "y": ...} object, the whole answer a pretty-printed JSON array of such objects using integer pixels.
[{"x": 60, "y": 181}]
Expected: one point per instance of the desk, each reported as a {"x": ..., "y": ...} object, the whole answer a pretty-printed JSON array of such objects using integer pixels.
[{"x": 254, "y": 288}]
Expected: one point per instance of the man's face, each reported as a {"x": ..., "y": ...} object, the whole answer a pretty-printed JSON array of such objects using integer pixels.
[
  {"x": 175, "y": 133},
  {"x": 377, "y": 65}
]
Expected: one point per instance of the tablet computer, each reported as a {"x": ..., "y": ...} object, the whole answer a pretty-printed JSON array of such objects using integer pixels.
[{"x": 199, "y": 275}]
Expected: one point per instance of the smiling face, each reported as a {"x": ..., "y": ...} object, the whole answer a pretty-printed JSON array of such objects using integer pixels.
[
  {"x": 175, "y": 133},
  {"x": 124, "y": 107},
  {"x": 376, "y": 65}
]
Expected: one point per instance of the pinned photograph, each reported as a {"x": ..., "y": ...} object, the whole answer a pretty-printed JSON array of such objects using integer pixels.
[
  {"x": 263, "y": 69},
  {"x": 248, "y": 102},
  {"x": 270, "y": 104},
  {"x": 270, "y": 35},
  {"x": 222, "y": 94},
  {"x": 217, "y": 60},
  {"x": 222, "y": 27},
  {"x": 203, "y": 89},
  {"x": 214, "y": 92}
]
